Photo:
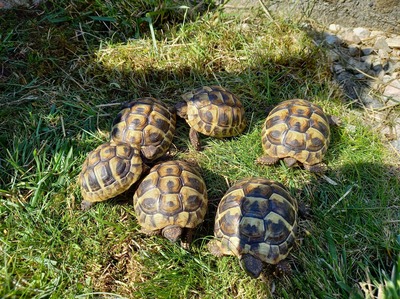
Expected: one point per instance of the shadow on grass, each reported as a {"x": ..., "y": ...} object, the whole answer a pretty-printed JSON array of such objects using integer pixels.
[{"x": 361, "y": 209}]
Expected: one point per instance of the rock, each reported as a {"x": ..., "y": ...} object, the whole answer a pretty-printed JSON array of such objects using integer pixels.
[
  {"x": 393, "y": 42},
  {"x": 332, "y": 56},
  {"x": 356, "y": 65},
  {"x": 362, "y": 33},
  {"x": 396, "y": 145},
  {"x": 376, "y": 33},
  {"x": 380, "y": 43},
  {"x": 349, "y": 37},
  {"x": 354, "y": 50},
  {"x": 393, "y": 90},
  {"x": 331, "y": 39},
  {"x": 334, "y": 28},
  {"x": 383, "y": 54},
  {"x": 337, "y": 68},
  {"x": 367, "y": 51}
]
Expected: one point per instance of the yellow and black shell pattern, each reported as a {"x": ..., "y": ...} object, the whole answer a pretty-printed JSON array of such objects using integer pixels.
[
  {"x": 147, "y": 122},
  {"x": 256, "y": 216},
  {"x": 173, "y": 193},
  {"x": 215, "y": 111},
  {"x": 297, "y": 129},
  {"x": 109, "y": 170}
]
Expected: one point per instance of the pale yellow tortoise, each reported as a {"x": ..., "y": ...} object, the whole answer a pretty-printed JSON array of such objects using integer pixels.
[
  {"x": 109, "y": 170},
  {"x": 171, "y": 200},
  {"x": 147, "y": 122},
  {"x": 296, "y": 131},
  {"x": 212, "y": 111}
]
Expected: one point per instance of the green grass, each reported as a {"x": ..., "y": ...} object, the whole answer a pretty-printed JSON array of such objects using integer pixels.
[{"x": 66, "y": 68}]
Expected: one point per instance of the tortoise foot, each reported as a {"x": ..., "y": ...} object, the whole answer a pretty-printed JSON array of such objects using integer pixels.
[
  {"x": 317, "y": 168},
  {"x": 86, "y": 205},
  {"x": 267, "y": 160},
  {"x": 283, "y": 268}
]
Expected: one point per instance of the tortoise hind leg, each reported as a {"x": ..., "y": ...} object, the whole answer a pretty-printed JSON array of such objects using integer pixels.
[{"x": 318, "y": 168}]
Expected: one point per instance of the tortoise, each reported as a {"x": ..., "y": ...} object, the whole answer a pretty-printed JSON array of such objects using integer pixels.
[
  {"x": 171, "y": 200},
  {"x": 213, "y": 111},
  {"x": 296, "y": 131},
  {"x": 109, "y": 170},
  {"x": 147, "y": 122},
  {"x": 256, "y": 221}
]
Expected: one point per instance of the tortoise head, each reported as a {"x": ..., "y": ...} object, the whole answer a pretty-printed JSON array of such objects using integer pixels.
[
  {"x": 181, "y": 109},
  {"x": 172, "y": 232},
  {"x": 252, "y": 265}
]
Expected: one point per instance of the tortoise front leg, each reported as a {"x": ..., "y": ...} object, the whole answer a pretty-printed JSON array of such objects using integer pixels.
[{"x": 194, "y": 139}]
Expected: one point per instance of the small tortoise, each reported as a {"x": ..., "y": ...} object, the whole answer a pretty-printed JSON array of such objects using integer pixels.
[
  {"x": 171, "y": 200},
  {"x": 212, "y": 111},
  {"x": 297, "y": 131},
  {"x": 256, "y": 221},
  {"x": 109, "y": 170},
  {"x": 147, "y": 122}
]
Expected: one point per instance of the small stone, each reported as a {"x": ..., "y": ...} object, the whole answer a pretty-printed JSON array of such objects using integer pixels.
[
  {"x": 359, "y": 76},
  {"x": 337, "y": 68},
  {"x": 331, "y": 39},
  {"x": 383, "y": 54},
  {"x": 333, "y": 56},
  {"x": 354, "y": 50},
  {"x": 367, "y": 51},
  {"x": 393, "y": 42},
  {"x": 362, "y": 33},
  {"x": 377, "y": 65},
  {"x": 350, "y": 37},
  {"x": 393, "y": 90},
  {"x": 244, "y": 27},
  {"x": 396, "y": 75},
  {"x": 396, "y": 145},
  {"x": 386, "y": 78},
  {"x": 381, "y": 43},
  {"x": 356, "y": 65},
  {"x": 376, "y": 33},
  {"x": 351, "y": 128},
  {"x": 371, "y": 102},
  {"x": 334, "y": 28},
  {"x": 367, "y": 59}
]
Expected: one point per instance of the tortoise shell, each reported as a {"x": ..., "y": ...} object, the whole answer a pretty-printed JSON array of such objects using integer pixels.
[
  {"x": 256, "y": 216},
  {"x": 214, "y": 111},
  {"x": 173, "y": 193},
  {"x": 147, "y": 122},
  {"x": 297, "y": 129},
  {"x": 109, "y": 170}
]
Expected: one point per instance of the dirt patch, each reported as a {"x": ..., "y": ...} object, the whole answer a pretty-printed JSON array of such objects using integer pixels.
[{"x": 374, "y": 14}]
